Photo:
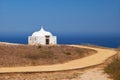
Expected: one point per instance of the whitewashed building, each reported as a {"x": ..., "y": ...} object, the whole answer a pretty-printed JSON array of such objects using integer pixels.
[{"x": 42, "y": 37}]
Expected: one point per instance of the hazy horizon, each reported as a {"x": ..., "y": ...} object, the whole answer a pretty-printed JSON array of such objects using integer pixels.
[
  {"x": 70, "y": 19},
  {"x": 82, "y": 17}
]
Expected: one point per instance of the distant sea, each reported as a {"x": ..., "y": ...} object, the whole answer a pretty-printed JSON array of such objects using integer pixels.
[{"x": 112, "y": 42}]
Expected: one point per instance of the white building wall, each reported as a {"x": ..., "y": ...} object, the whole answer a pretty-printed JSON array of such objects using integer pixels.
[
  {"x": 31, "y": 40},
  {"x": 53, "y": 40},
  {"x": 36, "y": 40},
  {"x": 41, "y": 40}
]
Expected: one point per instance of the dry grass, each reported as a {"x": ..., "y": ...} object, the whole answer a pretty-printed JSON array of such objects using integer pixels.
[
  {"x": 24, "y": 55},
  {"x": 113, "y": 66},
  {"x": 69, "y": 75}
]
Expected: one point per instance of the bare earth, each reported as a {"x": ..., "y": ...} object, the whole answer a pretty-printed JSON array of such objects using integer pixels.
[{"x": 70, "y": 74}]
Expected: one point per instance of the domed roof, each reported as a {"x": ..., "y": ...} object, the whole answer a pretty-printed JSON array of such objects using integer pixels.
[{"x": 42, "y": 32}]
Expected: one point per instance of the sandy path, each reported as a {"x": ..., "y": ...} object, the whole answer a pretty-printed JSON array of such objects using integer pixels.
[
  {"x": 93, "y": 74},
  {"x": 98, "y": 58}
]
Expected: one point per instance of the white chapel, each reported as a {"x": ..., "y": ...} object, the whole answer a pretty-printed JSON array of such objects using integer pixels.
[{"x": 42, "y": 37}]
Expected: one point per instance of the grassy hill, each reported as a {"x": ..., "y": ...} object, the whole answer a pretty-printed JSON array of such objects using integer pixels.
[{"x": 26, "y": 55}]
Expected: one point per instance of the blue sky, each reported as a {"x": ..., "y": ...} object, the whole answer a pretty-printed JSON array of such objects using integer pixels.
[{"x": 70, "y": 17}]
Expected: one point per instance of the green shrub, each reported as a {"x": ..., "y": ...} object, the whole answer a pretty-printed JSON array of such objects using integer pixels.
[
  {"x": 67, "y": 53},
  {"x": 50, "y": 47},
  {"x": 113, "y": 68},
  {"x": 39, "y": 46},
  {"x": 33, "y": 57},
  {"x": 46, "y": 54}
]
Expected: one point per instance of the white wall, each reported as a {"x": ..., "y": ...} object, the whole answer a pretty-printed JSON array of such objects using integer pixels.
[
  {"x": 53, "y": 40},
  {"x": 35, "y": 40}
]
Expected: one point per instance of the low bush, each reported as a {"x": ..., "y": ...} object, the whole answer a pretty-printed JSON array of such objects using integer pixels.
[
  {"x": 39, "y": 46},
  {"x": 113, "y": 68},
  {"x": 46, "y": 54},
  {"x": 67, "y": 53},
  {"x": 32, "y": 57}
]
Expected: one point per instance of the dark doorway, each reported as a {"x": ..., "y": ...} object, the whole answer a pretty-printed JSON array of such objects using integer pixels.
[{"x": 47, "y": 41}]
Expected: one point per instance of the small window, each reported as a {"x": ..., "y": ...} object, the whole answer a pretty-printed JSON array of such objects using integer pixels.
[{"x": 47, "y": 36}]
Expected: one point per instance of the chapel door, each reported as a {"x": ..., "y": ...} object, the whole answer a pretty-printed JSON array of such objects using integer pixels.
[{"x": 47, "y": 40}]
